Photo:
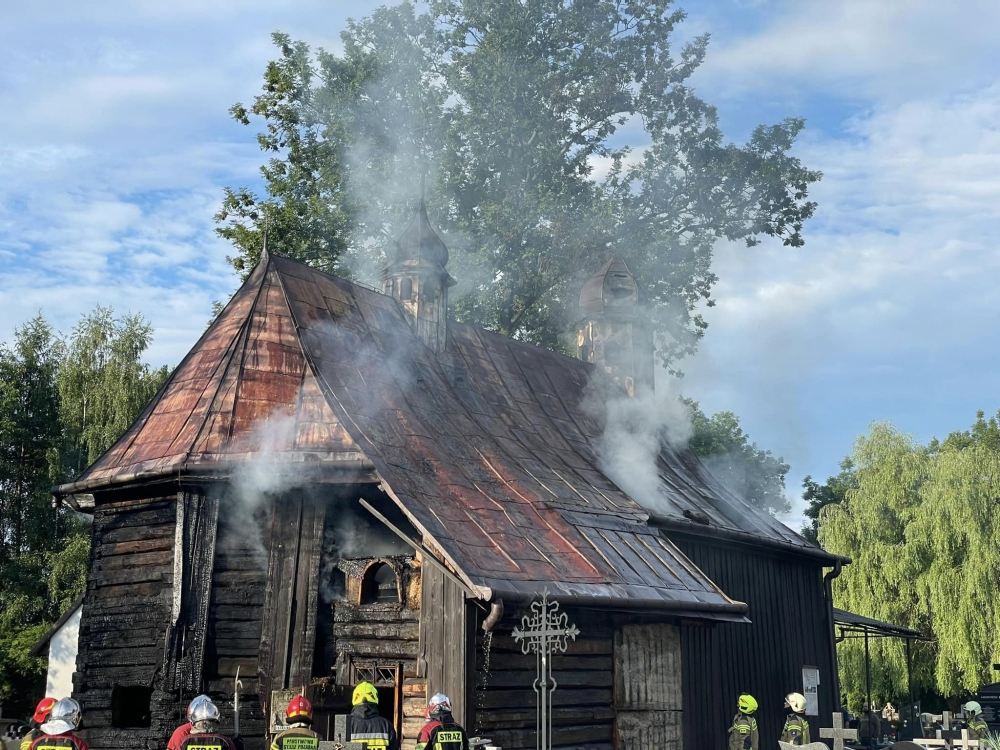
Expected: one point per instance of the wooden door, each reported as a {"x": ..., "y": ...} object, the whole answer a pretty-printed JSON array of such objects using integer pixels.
[{"x": 648, "y": 688}]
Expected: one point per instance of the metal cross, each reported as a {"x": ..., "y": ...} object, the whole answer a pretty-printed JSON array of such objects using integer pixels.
[
  {"x": 838, "y": 734},
  {"x": 544, "y": 632}
]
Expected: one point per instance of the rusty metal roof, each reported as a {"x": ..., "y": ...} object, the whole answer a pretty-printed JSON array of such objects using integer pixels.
[{"x": 486, "y": 447}]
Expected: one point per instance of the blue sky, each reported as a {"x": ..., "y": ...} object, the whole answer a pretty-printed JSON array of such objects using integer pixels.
[{"x": 115, "y": 145}]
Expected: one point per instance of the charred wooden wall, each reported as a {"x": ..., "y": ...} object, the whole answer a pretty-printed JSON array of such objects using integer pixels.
[
  {"x": 234, "y": 623},
  {"x": 582, "y": 716},
  {"x": 370, "y": 639},
  {"x": 125, "y": 616},
  {"x": 789, "y": 630}
]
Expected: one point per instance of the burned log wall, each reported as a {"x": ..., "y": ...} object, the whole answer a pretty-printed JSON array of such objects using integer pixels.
[
  {"x": 582, "y": 715},
  {"x": 789, "y": 630},
  {"x": 234, "y": 624},
  {"x": 125, "y": 615},
  {"x": 378, "y": 640}
]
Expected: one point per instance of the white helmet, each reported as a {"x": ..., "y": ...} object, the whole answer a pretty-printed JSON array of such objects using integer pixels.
[
  {"x": 65, "y": 717},
  {"x": 439, "y": 704},
  {"x": 796, "y": 702},
  {"x": 972, "y": 708},
  {"x": 204, "y": 716}
]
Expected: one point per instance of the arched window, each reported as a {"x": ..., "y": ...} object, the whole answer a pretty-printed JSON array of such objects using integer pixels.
[
  {"x": 406, "y": 289},
  {"x": 379, "y": 586}
]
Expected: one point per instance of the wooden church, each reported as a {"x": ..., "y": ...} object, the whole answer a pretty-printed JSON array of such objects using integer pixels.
[{"x": 340, "y": 484}]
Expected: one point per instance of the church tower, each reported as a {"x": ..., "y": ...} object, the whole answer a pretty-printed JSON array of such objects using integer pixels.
[
  {"x": 611, "y": 333},
  {"x": 418, "y": 279}
]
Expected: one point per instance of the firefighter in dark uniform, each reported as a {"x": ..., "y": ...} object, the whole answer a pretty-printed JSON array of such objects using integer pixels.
[
  {"x": 205, "y": 734},
  {"x": 743, "y": 733},
  {"x": 441, "y": 732},
  {"x": 977, "y": 726},
  {"x": 796, "y": 731},
  {"x": 58, "y": 731},
  {"x": 298, "y": 716},
  {"x": 365, "y": 725}
]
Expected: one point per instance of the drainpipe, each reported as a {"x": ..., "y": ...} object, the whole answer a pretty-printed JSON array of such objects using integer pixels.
[
  {"x": 838, "y": 567},
  {"x": 496, "y": 612}
]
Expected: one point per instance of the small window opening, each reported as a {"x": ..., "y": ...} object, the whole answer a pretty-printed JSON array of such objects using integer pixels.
[
  {"x": 380, "y": 585},
  {"x": 131, "y": 706},
  {"x": 406, "y": 289}
]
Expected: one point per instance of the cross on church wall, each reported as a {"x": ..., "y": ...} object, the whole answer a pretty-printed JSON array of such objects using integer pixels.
[{"x": 838, "y": 734}]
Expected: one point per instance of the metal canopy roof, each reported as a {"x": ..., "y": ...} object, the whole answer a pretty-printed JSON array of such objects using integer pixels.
[{"x": 848, "y": 622}]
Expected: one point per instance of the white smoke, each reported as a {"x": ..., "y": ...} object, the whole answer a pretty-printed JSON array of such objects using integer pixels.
[{"x": 635, "y": 431}]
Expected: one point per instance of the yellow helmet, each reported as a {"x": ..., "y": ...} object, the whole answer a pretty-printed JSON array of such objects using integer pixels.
[
  {"x": 365, "y": 692},
  {"x": 747, "y": 704}
]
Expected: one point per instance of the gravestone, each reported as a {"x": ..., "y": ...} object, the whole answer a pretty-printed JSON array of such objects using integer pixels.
[
  {"x": 838, "y": 734},
  {"x": 946, "y": 732},
  {"x": 906, "y": 745},
  {"x": 964, "y": 742},
  {"x": 810, "y": 746}
]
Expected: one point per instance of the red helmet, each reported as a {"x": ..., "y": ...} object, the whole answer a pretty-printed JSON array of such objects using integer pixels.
[
  {"x": 299, "y": 709},
  {"x": 43, "y": 709}
]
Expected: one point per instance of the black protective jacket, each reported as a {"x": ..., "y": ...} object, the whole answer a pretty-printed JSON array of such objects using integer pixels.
[{"x": 366, "y": 727}]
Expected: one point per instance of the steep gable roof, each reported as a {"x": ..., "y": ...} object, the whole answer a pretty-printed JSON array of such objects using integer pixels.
[{"x": 487, "y": 448}]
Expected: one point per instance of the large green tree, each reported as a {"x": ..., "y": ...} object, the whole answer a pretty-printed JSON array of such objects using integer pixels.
[
  {"x": 753, "y": 473},
  {"x": 62, "y": 404},
  {"x": 552, "y": 133},
  {"x": 43, "y": 550},
  {"x": 920, "y": 523},
  {"x": 103, "y": 382}
]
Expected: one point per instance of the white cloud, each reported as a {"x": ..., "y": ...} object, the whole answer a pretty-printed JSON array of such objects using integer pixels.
[
  {"x": 858, "y": 47},
  {"x": 893, "y": 296}
]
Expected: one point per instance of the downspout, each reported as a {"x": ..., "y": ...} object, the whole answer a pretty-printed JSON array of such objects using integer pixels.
[
  {"x": 838, "y": 568},
  {"x": 496, "y": 612}
]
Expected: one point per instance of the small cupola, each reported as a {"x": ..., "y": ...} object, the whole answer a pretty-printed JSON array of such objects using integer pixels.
[
  {"x": 418, "y": 278},
  {"x": 610, "y": 333}
]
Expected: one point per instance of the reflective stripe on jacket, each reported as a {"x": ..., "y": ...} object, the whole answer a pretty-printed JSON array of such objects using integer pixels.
[
  {"x": 59, "y": 742},
  {"x": 743, "y": 733},
  {"x": 368, "y": 728},
  {"x": 442, "y": 735},
  {"x": 977, "y": 728},
  {"x": 296, "y": 738},
  {"x": 796, "y": 731}
]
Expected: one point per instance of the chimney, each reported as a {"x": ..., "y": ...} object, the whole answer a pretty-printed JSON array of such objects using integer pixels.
[
  {"x": 418, "y": 279},
  {"x": 610, "y": 333}
]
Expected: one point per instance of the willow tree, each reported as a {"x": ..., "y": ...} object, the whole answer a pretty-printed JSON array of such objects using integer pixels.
[
  {"x": 870, "y": 526},
  {"x": 921, "y": 525},
  {"x": 956, "y": 536}
]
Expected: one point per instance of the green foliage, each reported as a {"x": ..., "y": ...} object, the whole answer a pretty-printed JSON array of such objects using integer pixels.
[
  {"x": 508, "y": 107},
  {"x": 751, "y": 472},
  {"x": 103, "y": 383},
  {"x": 818, "y": 496},
  {"x": 61, "y": 406},
  {"x": 920, "y": 523}
]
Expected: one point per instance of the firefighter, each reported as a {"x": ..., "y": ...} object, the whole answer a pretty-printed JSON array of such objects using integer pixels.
[
  {"x": 366, "y": 726},
  {"x": 58, "y": 730},
  {"x": 977, "y": 727},
  {"x": 41, "y": 715},
  {"x": 743, "y": 733},
  {"x": 796, "y": 731},
  {"x": 184, "y": 730},
  {"x": 441, "y": 732},
  {"x": 298, "y": 716},
  {"x": 205, "y": 734}
]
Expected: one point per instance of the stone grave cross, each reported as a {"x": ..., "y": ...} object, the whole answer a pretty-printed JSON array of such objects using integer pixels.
[
  {"x": 964, "y": 742},
  {"x": 838, "y": 734},
  {"x": 946, "y": 733}
]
